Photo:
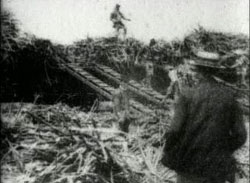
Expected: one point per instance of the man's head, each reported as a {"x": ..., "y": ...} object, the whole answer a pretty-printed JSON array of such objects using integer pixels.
[
  {"x": 206, "y": 66},
  {"x": 152, "y": 42},
  {"x": 117, "y": 6},
  {"x": 208, "y": 73}
]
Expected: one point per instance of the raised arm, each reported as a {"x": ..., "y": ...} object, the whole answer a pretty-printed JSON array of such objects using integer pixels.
[{"x": 123, "y": 17}]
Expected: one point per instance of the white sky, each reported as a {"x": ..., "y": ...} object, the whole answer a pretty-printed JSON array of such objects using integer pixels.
[{"x": 65, "y": 21}]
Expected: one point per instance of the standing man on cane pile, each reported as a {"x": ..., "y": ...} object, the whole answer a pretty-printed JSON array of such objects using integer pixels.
[{"x": 116, "y": 17}]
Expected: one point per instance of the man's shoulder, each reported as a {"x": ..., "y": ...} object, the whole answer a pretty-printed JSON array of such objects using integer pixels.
[{"x": 113, "y": 14}]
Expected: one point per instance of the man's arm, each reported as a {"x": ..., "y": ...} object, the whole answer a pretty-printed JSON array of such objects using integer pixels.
[
  {"x": 238, "y": 133},
  {"x": 171, "y": 136},
  {"x": 123, "y": 17},
  {"x": 180, "y": 114}
]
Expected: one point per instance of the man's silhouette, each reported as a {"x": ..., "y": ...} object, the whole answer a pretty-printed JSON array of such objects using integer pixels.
[{"x": 116, "y": 17}]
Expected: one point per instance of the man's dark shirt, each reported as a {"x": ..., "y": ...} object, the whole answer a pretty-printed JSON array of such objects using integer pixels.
[{"x": 207, "y": 128}]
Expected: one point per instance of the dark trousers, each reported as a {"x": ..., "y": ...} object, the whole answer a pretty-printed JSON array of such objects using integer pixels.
[
  {"x": 190, "y": 179},
  {"x": 184, "y": 178}
]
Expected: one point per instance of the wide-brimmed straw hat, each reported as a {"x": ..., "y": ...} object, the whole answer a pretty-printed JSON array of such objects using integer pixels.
[{"x": 212, "y": 64}]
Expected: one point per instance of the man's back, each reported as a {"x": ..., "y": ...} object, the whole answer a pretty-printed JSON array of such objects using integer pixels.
[{"x": 206, "y": 130}]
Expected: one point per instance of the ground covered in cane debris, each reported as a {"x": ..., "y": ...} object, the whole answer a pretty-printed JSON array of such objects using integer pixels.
[
  {"x": 62, "y": 144},
  {"x": 56, "y": 143}
]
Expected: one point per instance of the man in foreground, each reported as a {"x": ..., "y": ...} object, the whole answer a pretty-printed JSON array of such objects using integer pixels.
[{"x": 207, "y": 128}]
